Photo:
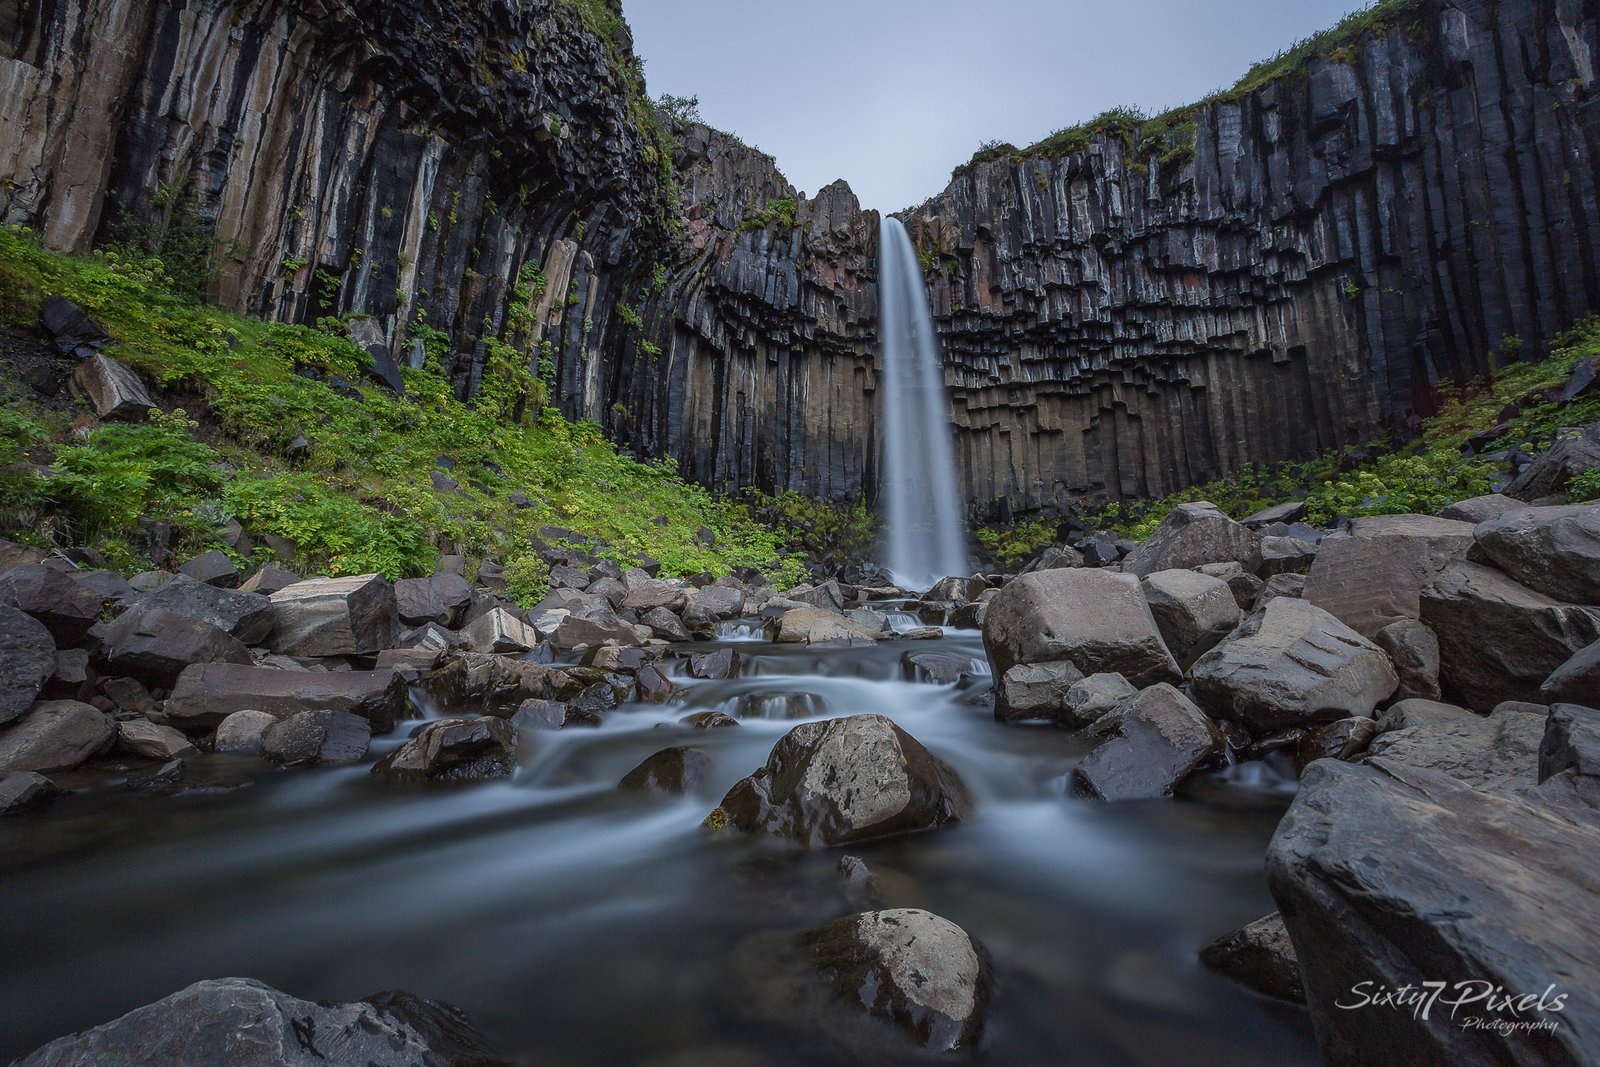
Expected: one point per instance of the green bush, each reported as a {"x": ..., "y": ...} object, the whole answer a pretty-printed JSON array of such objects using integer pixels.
[
  {"x": 121, "y": 474},
  {"x": 332, "y": 531}
]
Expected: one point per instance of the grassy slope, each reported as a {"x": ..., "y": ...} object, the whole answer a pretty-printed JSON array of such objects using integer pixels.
[{"x": 360, "y": 498}]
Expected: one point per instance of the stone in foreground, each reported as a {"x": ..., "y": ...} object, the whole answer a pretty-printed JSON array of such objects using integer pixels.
[
  {"x": 111, "y": 388},
  {"x": 1160, "y": 737},
  {"x": 1034, "y": 691},
  {"x": 1096, "y": 619},
  {"x": 21, "y": 790},
  {"x": 27, "y": 660},
  {"x": 840, "y": 781},
  {"x": 1261, "y": 956},
  {"x": 1575, "y": 681},
  {"x": 1498, "y": 753},
  {"x": 207, "y": 693},
  {"x": 335, "y": 616},
  {"x": 1554, "y": 551},
  {"x": 1374, "y": 575},
  {"x": 454, "y": 750},
  {"x": 56, "y": 735},
  {"x": 1292, "y": 664},
  {"x": 1193, "y": 611},
  {"x": 314, "y": 737},
  {"x": 1388, "y": 876},
  {"x": 239, "y": 1022}
]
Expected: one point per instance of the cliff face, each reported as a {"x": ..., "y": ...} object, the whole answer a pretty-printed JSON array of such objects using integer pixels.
[{"x": 1294, "y": 269}]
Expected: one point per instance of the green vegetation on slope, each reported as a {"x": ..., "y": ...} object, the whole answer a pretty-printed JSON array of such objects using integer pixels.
[{"x": 358, "y": 493}]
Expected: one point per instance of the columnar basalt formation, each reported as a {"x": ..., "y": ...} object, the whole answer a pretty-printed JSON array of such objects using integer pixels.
[{"x": 1285, "y": 270}]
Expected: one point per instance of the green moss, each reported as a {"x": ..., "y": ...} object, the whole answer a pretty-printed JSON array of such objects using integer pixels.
[{"x": 782, "y": 211}]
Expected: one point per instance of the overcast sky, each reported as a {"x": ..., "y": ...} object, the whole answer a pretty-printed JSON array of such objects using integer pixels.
[{"x": 891, "y": 94}]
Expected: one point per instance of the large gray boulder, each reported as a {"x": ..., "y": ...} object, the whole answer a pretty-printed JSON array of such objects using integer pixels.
[
  {"x": 1374, "y": 575},
  {"x": 839, "y": 781},
  {"x": 1499, "y": 640},
  {"x": 152, "y": 740},
  {"x": 1192, "y": 535},
  {"x": 1090, "y": 700},
  {"x": 66, "y": 608},
  {"x": 498, "y": 630},
  {"x": 1096, "y": 619},
  {"x": 1554, "y": 551},
  {"x": 335, "y": 616},
  {"x": 705, "y": 607},
  {"x": 239, "y": 1022},
  {"x": 1569, "y": 758},
  {"x": 1390, "y": 876},
  {"x": 245, "y": 615},
  {"x": 314, "y": 737},
  {"x": 1498, "y": 753},
  {"x": 1292, "y": 664},
  {"x": 669, "y": 772},
  {"x": 1481, "y": 508},
  {"x": 1034, "y": 691},
  {"x": 821, "y": 627},
  {"x": 156, "y": 646},
  {"x": 1193, "y": 611},
  {"x": 111, "y": 388},
  {"x": 27, "y": 660},
  {"x": 207, "y": 693},
  {"x": 242, "y": 732},
  {"x": 454, "y": 750},
  {"x": 1157, "y": 739},
  {"x": 441, "y": 598},
  {"x": 1414, "y": 651},
  {"x": 1577, "y": 451},
  {"x": 56, "y": 735},
  {"x": 1576, "y": 681}
]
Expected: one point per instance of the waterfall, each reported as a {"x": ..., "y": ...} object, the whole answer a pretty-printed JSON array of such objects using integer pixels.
[{"x": 924, "y": 535}]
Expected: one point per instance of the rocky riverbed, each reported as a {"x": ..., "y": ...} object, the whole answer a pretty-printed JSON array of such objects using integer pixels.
[{"x": 676, "y": 821}]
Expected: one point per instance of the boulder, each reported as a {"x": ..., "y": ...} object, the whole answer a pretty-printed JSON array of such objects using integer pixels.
[
  {"x": 816, "y": 626},
  {"x": 269, "y": 579},
  {"x": 21, "y": 790},
  {"x": 656, "y": 593},
  {"x": 1554, "y": 551},
  {"x": 156, "y": 646},
  {"x": 1391, "y": 876},
  {"x": 1498, "y": 753},
  {"x": 247, "y": 616},
  {"x": 1282, "y": 555},
  {"x": 64, "y": 607},
  {"x": 1576, "y": 681},
  {"x": 1090, "y": 700},
  {"x": 1575, "y": 452},
  {"x": 935, "y": 667},
  {"x": 573, "y": 632},
  {"x": 27, "y": 660},
  {"x": 454, "y": 750},
  {"x": 1374, "y": 575},
  {"x": 664, "y": 624},
  {"x": 1481, "y": 508},
  {"x": 72, "y": 331},
  {"x": 1287, "y": 512},
  {"x": 500, "y": 631},
  {"x": 335, "y": 616},
  {"x": 709, "y": 720},
  {"x": 1341, "y": 739},
  {"x": 536, "y": 713},
  {"x": 1261, "y": 956},
  {"x": 1193, "y": 611},
  {"x": 1158, "y": 738},
  {"x": 1569, "y": 758},
  {"x": 314, "y": 737},
  {"x": 442, "y": 598},
  {"x": 1414, "y": 651},
  {"x": 56, "y": 735},
  {"x": 1247, "y": 588},
  {"x": 141, "y": 737},
  {"x": 213, "y": 568},
  {"x": 669, "y": 772},
  {"x": 1499, "y": 640},
  {"x": 1292, "y": 664},
  {"x": 1290, "y": 585},
  {"x": 239, "y": 1022},
  {"x": 839, "y": 781},
  {"x": 827, "y": 596},
  {"x": 1096, "y": 619},
  {"x": 722, "y": 663},
  {"x": 652, "y": 686},
  {"x": 1192, "y": 535},
  {"x": 111, "y": 389},
  {"x": 207, "y": 693},
  {"x": 704, "y": 608},
  {"x": 242, "y": 732},
  {"x": 1034, "y": 691},
  {"x": 922, "y": 973}
]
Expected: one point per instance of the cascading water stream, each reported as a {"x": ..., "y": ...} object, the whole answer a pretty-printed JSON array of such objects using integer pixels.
[{"x": 924, "y": 535}]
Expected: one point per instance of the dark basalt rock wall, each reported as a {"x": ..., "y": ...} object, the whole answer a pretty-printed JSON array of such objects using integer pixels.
[{"x": 1117, "y": 322}]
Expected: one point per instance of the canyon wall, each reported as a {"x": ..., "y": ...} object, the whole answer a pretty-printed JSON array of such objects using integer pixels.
[{"x": 1290, "y": 269}]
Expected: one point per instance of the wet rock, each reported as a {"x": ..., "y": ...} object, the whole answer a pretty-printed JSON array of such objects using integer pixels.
[
  {"x": 64, "y": 607},
  {"x": 21, "y": 790},
  {"x": 1414, "y": 651},
  {"x": 1498, "y": 753},
  {"x": 207, "y": 693},
  {"x": 1158, "y": 738},
  {"x": 1261, "y": 956},
  {"x": 828, "y": 596},
  {"x": 27, "y": 660},
  {"x": 239, "y": 1022},
  {"x": 242, "y": 732},
  {"x": 1481, "y": 508},
  {"x": 923, "y": 973},
  {"x": 111, "y": 388},
  {"x": 141, "y": 737},
  {"x": 1343, "y": 739},
  {"x": 1499, "y": 640},
  {"x": 500, "y": 631},
  {"x": 1191, "y": 535},
  {"x": 1394, "y": 876},
  {"x": 454, "y": 750},
  {"x": 653, "y": 686},
  {"x": 574, "y": 632},
  {"x": 1569, "y": 758},
  {"x": 1575, "y": 452},
  {"x": 109, "y": 586},
  {"x": 1577, "y": 681},
  {"x": 1193, "y": 611},
  {"x": 1375, "y": 574},
  {"x": 1090, "y": 700},
  {"x": 213, "y": 568},
  {"x": 536, "y": 713},
  {"x": 722, "y": 663},
  {"x": 621, "y": 660},
  {"x": 1282, "y": 555},
  {"x": 664, "y": 624},
  {"x": 844, "y": 780},
  {"x": 709, "y": 720},
  {"x": 316, "y": 737},
  {"x": 335, "y": 616},
  {"x": 670, "y": 772},
  {"x": 1554, "y": 550},
  {"x": 156, "y": 646},
  {"x": 1096, "y": 619},
  {"x": 247, "y": 616},
  {"x": 936, "y": 668},
  {"x": 269, "y": 579},
  {"x": 1034, "y": 691},
  {"x": 821, "y": 628},
  {"x": 442, "y": 598},
  {"x": 56, "y": 735},
  {"x": 1246, "y": 589},
  {"x": 1292, "y": 664}
]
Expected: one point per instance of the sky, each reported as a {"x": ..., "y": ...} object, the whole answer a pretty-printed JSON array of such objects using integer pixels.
[{"x": 892, "y": 94}]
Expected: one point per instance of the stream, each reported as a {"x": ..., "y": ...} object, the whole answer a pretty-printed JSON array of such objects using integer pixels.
[{"x": 579, "y": 924}]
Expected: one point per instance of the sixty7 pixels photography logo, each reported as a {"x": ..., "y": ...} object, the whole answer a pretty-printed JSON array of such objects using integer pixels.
[{"x": 1473, "y": 1004}]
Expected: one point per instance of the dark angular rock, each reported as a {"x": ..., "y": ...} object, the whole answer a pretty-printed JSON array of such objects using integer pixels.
[
  {"x": 455, "y": 750},
  {"x": 670, "y": 771},
  {"x": 1554, "y": 551},
  {"x": 664, "y": 624},
  {"x": 1414, "y": 651},
  {"x": 247, "y": 616},
  {"x": 1569, "y": 758},
  {"x": 1287, "y": 512},
  {"x": 66, "y": 609},
  {"x": 1034, "y": 691},
  {"x": 1261, "y": 956},
  {"x": 1159, "y": 738},
  {"x": 269, "y": 579},
  {"x": 442, "y": 598},
  {"x": 1191, "y": 535},
  {"x": 1577, "y": 681},
  {"x": 1481, "y": 508},
  {"x": 155, "y": 646},
  {"x": 709, "y": 720},
  {"x": 335, "y": 616},
  {"x": 1096, "y": 619},
  {"x": 723, "y": 663},
  {"x": 315, "y": 737},
  {"x": 1090, "y": 700},
  {"x": 70, "y": 328},
  {"x": 21, "y": 790},
  {"x": 243, "y": 732},
  {"x": 112, "y": 389},
  {"x": 213, "y": 568},
  {"x": 936, "y": 668},
  {"x": 1343, "y": 739},
  {"x": 1375, "y": 575},
  {"x": 27, "y": 660},
  {"x": 56, "y": 735},
  {"x": 1193, "y": 611},
  {"x": 207, "y": 693},
  {"x": 141, "y": 737},
  {"x": 1575, "y": 452}
]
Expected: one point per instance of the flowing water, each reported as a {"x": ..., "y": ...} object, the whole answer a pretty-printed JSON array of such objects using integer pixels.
[
  {"x": 582, "y": 925},
  {"x": 923, "y": 522}
]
